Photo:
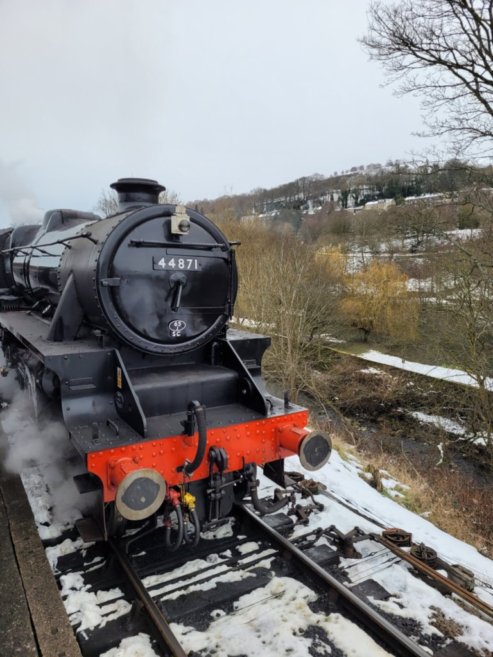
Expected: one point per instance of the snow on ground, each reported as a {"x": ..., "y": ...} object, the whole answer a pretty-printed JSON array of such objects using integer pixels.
[
  {"x": 262, "y": 619},
  {"x": 441, "y": 422},
  {"x": 373, "y": 371},
  {"x": 419, "y": 284},
  {"x": 465, "y": 233},
  {"x": 68, "y": 546},
  {"x": 411, "y": 597},
  {"x": 330, "y": 338},
  {"x": 450, "y": 426},
  {"x": 263, "y": 615},
  {"x": 43, "y": 505},
  {"x": 223, "y": 531},
  {"x": 343, "y": 480},
  {"x": 134, "y": 646},
  {"x": 251, "y": 546},
  {"x": 87, "y": 609},
  {"x": 192, "y": 566},
  {"x": 205, "y": 582},
  {"x": 433, "y": 371}
]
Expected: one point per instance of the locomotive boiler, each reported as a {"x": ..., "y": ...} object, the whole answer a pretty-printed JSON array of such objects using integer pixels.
[{"x": 121, "y": 325}]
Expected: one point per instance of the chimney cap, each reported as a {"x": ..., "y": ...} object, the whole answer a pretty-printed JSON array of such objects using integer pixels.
[
  {"x": 137, "y": 192},
  {"x": 137, "y": 185}
]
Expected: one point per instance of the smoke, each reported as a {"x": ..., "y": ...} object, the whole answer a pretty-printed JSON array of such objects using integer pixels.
[
  {"x": 18, "y": 204},
  {"x": 28, "y": 443},
  {"x": 33, "y": 447}
]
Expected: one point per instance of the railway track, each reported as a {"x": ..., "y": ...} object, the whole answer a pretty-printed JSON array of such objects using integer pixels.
[
  {"x": 260, "y": 579},
  {"x": 381, "y": 630},
  {"x": 378, "y": 626},
  {"x": 156, "y": 616}
]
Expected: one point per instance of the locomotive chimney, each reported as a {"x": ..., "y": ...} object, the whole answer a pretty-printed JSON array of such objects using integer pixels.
[{"x": 135, "y": 192}]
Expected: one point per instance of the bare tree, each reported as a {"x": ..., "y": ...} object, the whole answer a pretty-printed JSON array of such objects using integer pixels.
[
  {"x": 170, "y": 196},
  {"x": 417, "y": 223},
  {"x": 293, "y": 300},
  {"x": 442, "y": 50},
  {"x": 287, "y": 292},
  {"x": 465, "y": 332},
  {"x": 107, "y": 203}
]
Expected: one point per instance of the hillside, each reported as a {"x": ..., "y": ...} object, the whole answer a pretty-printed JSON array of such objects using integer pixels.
[
  {"x": 353, "y": 188},
  {"x": 411, "y": 279}
]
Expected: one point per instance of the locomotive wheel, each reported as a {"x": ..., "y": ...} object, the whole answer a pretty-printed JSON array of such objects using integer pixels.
[{"x": 116, "y": 524}]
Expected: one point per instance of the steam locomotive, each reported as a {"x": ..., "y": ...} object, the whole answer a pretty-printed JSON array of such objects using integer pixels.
[{"x": 121, "y": 324}]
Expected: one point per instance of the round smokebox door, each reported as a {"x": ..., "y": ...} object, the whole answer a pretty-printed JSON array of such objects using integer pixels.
[{"x": 169, "y": 295}]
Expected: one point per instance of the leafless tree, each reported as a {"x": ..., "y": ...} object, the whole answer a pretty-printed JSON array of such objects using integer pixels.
[
  {"x": 289, "y": 294},
  {"x": 442, "y": 50},
  {"x": 170, "y": 196},
  {"x": 107, "y": 203}
]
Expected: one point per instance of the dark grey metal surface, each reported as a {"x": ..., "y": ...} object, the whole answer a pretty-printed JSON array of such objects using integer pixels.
[
  {"x": 86, "y": 370},
  {"x": 32, "y": 332}
]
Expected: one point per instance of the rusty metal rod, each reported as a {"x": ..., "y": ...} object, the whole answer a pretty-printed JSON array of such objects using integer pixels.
[{"x": 453, "y": 587}]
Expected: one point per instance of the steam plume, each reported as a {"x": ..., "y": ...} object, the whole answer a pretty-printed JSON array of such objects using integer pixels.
[
  {"x": 18, "y": 204},
  {"x": 41, "y": 446}
]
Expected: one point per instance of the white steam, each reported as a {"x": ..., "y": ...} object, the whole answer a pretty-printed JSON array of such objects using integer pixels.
[
  {"x": 30, "y": 446},
  {"x": 29, "y": 443},
  {"x": 18, "y": 204}
]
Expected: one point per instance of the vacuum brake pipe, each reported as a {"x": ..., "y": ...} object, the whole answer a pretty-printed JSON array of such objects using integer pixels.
[{"x": 197, "y": 409}]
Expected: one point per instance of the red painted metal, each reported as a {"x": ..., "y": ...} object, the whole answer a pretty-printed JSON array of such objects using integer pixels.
[
  {"x": 291, "y": 436},
  {"x": 259, "y": 441},
  {"x": 119, "y": 468}
]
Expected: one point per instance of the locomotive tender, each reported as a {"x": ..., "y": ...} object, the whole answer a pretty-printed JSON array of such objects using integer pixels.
[{"x": 121, "y": 325}]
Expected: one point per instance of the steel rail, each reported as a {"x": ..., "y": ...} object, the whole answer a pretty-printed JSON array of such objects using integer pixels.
[
  {"x": 393, "y": 638},
  {"x": 155, "y": 614},
  {"x": 452, "y": 586}
]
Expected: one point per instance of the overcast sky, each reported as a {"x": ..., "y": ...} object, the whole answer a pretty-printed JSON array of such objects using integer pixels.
[{"x": 209, "y": 97}]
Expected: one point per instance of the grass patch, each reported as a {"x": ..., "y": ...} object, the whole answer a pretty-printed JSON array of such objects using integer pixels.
[{"x": 372, "y": 423}]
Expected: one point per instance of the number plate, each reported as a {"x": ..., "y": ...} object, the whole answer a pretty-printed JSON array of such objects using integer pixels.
[{"x": 175, "y": 263}]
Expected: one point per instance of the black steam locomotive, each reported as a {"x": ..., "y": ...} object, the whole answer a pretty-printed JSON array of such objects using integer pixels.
[{"x": 121, "y": 324}]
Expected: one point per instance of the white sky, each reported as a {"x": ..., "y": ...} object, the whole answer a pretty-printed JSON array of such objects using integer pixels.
[{"x": 209, "y": 97}]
